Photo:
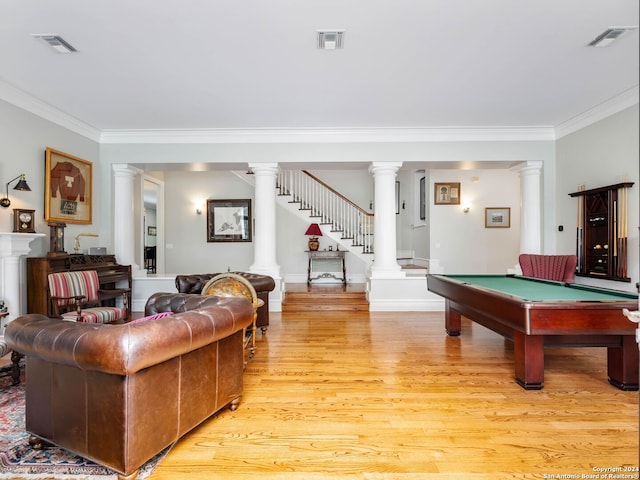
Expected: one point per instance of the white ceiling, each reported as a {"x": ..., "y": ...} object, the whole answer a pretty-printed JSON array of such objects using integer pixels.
[{"x": 253, "y": 64}]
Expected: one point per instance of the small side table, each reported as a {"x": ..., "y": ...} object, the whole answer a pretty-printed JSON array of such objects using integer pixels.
[{"x": 327, "y": 257}]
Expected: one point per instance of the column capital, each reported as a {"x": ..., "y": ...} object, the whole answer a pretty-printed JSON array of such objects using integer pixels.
[
  {"x": 124, "y": 170},
  {"x": 384, "y": 167},
  {"x": 264, "y": 168},
  {"x": 531, "y": 166}
]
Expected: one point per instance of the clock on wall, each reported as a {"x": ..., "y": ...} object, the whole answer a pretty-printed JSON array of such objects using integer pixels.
[{"x": 23, "y": 221}]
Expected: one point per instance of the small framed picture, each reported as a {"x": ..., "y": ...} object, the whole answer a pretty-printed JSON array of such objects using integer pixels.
[
  {"x": 497, "y": 217},
  {"x": 446, "y": 193},
  {"x": 229, "y": 220},
  {"x": 151, "y": 231}
]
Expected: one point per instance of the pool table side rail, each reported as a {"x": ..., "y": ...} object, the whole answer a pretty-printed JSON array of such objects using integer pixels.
[{"x": 504, "y": 312}]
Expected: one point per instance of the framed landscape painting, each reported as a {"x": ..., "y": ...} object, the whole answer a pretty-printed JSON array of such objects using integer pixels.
[
  {"x": 497, "y": 217},
  {"x": 67, "y": 188}
]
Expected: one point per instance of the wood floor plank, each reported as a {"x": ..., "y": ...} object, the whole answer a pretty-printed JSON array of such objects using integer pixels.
[{"x": 388, "y": 395}]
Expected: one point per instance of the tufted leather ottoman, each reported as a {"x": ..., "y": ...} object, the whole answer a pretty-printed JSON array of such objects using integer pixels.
[{"x": 263, "y": 284}]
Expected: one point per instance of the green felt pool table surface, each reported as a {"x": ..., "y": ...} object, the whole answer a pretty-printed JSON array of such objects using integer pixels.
[{"x": 537, "y": 290}]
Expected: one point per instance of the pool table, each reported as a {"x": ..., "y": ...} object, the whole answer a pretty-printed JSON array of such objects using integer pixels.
[{"x": 536, "y": 313}]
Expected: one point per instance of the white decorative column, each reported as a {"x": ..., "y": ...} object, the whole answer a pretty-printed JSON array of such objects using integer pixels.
[
  {"x": 264, "y": 235},
  {"x": 14, "y": 283},
  {"x": 123, "y": 214},
  {"x": 385, "y": 263},
  {"x": 530, "y": 207}
]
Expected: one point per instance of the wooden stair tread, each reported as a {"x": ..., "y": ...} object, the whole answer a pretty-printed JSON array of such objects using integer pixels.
[{"x": 326, "y": 297}]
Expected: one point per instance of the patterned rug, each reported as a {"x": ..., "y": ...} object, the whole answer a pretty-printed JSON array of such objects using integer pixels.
[{"x": 19, "y": 459}]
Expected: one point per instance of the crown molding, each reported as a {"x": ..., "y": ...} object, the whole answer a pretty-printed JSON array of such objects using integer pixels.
[
  {"x": 603, "y": 110},
  {"x": 23, "y": 100},
  {"x": 346, "y": 135}
]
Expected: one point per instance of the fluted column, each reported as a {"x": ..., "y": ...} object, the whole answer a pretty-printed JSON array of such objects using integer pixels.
[
  {"x": 530, "y": 207},
  {"x": 124, "y": 241},
  {"x": 264, "y": 237},
  {"x": 385, "y": 263}
]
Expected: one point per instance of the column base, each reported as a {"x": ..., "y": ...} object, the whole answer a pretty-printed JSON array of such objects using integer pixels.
[{"x": 386, "y": 272}]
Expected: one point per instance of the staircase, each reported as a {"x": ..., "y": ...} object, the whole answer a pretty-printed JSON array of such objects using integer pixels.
[
  {"x": 348, "y": 224},
  {"x": 325, "y": 298}
]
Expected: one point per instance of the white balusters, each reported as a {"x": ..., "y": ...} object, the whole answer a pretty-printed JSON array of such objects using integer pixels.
[{"x": 332, "y": 208}]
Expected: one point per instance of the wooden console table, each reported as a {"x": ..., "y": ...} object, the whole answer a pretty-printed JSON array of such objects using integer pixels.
[
  {"x": 327, "y": 256},
  {"x": 38, "y": 269}
]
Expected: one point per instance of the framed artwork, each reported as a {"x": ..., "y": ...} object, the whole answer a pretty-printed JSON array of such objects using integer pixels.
[
  {"x": 67, "y": 188},
  {"x": 497, "y": 217},
  {"x": 151, "y": 231},
  {"x": 446, "y": 193},
  {"x": 229, "y": 220}
]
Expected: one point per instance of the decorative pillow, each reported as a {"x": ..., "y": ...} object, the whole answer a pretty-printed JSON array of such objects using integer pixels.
[{"x": 151, "y": 317}]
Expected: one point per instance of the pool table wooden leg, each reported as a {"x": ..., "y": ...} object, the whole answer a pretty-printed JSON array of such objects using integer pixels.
[
  {"x": 622, "y": 364},
  {"x": 528, "y": 353},
  {"x": 452, "y": 320}
]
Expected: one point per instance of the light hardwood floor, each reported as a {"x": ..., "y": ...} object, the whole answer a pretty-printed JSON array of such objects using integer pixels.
[{"x": 391, "y": 396}]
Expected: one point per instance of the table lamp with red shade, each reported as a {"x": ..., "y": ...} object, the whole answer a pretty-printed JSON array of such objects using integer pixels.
[{"x": 314, "y": 232}]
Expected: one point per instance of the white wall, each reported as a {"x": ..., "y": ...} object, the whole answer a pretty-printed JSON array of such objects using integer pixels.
[
  {"x": 24, "y": 138},
  {"x": 459, "y": 241},
  {"x": 604, "y": 153},
  {"x": 597, "y": 155},
  {"x": 187, "y": 249},
  {"x": 414, "y": 155}
]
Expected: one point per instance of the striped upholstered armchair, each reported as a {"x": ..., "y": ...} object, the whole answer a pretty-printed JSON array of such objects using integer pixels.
[{"x": 76, "y": 296}]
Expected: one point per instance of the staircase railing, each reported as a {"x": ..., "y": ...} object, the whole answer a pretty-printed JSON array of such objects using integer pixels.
[{"x": 328, "y": 206}]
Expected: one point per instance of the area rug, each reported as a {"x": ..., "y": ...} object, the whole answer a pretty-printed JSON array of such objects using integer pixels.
[{"x": 19, "y": 460}]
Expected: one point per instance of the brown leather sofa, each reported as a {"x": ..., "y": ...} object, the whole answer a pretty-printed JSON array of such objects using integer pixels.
[
  {"x": 262, "y": 284},
  {"x": 120, "y": 394}
]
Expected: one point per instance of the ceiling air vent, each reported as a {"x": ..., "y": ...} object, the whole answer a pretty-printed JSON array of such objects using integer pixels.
[
  {"x": 609, "y": 36},
  {"x": 56, "y": 42},
  {"x": 330, "y": 39}
]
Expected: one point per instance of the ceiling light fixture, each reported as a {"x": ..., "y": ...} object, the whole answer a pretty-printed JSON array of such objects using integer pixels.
[
  {"x": 330, "y": 39},
  {"x": 609, "y": 36},
  {"x": 56, "y": 42}
]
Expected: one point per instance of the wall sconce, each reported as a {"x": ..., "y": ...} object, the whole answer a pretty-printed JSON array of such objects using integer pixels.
[
  {"x": 76, "y": 241},
  {"x": 198, "y": 210},
  {"x": 466, "y": 207},
  {"x": 21, "y": 185}
]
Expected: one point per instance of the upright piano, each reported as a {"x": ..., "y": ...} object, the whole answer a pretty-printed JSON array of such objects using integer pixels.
[{"x": 110, "y": 273}]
